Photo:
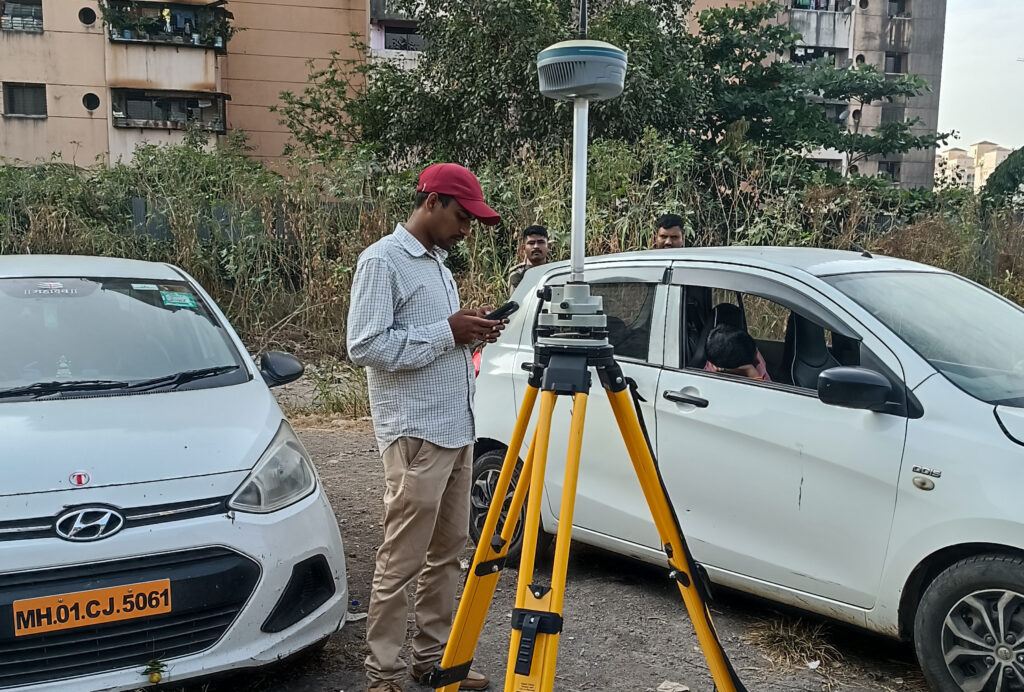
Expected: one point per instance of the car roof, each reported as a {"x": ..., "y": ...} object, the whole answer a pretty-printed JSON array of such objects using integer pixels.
[
  {"x": 814, "y": 261},
  {"x": 22, "y": 266}
]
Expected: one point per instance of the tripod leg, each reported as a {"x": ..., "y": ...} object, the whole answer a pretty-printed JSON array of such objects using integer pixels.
[
  {"x": 488, "y": 559},
  {"x": 537, "y": 619},
  {"x": 672, "y": 538}
]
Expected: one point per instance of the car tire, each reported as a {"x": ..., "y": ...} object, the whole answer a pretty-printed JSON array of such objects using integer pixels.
[
  {"x": 969, "y": 626},
  {"x": 486, "y": 469}
]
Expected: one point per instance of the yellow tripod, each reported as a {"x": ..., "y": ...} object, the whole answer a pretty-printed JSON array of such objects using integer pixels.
[{"x": 562, "y": 368}]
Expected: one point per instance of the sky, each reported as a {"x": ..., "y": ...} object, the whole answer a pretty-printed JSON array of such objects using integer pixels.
[{"x": 982, "y": 94}]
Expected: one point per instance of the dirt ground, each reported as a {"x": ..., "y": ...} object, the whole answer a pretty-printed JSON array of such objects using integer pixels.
[{"x": 625, "y": 625}]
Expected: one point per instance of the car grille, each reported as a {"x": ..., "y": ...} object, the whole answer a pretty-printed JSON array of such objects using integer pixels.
[
  {"x": 209, "y": 587},
  {"x": 44, "y": 527}
]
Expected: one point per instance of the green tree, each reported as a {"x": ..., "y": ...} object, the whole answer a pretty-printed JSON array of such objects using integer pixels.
[
  {"x": 782, "y": 100},
  {"x": 1006, "y": 180},
  {"x": 473, "y": 96}
]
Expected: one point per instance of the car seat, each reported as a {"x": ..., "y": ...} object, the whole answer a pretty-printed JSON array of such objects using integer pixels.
[
  {"x": 805, "y": 353},
  {"x": 723, "y": 313}
]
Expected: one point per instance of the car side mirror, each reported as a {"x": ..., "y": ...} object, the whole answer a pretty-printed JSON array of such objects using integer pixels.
[
  {"x": 280, "y": 368},
  {"x": 852, "y": 387}
]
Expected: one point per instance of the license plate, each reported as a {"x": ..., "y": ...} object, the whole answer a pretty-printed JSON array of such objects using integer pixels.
[{"x": 82, "y": 608}]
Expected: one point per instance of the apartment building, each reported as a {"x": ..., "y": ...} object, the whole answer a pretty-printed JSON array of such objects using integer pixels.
[
  {"x": 896, "y": 36},
  {"x": 90, "y": 81},
  {"x": 974, "y": 166},
  {"x": 954, "y": 167}
]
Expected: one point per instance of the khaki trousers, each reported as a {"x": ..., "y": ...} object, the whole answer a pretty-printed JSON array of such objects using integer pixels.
[{"x": 426, "y": 525}]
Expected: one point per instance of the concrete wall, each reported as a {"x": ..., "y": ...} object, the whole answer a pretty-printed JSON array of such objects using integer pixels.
[
  {"x": 172, "y": 68},
  {"x": 68, "y": 57},
  {"x": 271, "y": 55},
  {"x": 920, "y": 37}
]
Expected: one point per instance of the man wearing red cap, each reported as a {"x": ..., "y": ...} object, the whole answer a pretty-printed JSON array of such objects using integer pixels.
[{"x": 406, "y": 327}]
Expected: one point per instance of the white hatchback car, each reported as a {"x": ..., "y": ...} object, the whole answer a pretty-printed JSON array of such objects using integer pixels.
[
  {"x": 157, "y": 513},
  {"x": 876, "y": 478}
]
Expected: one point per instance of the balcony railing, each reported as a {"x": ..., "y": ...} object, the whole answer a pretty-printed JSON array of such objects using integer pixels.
[
  {"x": 900, "y": 34},
  {"x": 180, "y": 25},
  {"x": 22, "y": 16},
  {"x": 155, "y": 110},
  {"x": 822, "y": 27},
  {"x": 822, "y": 5},
  {"x": 216, "y": 126}
]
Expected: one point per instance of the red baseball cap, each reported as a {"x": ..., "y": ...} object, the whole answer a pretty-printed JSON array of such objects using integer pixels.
[{"x": 460, "y": 183}]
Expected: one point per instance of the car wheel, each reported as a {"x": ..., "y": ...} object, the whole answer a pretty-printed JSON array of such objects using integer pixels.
[
  {"x": 969, "y": 626},
  {"x": 486, "y": 470}
]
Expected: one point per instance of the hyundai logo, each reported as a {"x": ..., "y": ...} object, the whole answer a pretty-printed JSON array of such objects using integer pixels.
[{"x": 89, "y": 524}]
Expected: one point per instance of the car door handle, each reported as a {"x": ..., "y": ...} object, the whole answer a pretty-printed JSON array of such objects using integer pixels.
[{"x": 684, "y": 398}]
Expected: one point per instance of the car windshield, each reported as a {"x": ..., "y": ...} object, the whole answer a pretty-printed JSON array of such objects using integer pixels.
[
  {"x": 971, "y": 336},
  {"x": 80, "y": 335}
]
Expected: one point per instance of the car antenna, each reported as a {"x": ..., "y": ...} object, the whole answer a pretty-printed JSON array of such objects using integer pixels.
[{"x": 863, "y": 252}]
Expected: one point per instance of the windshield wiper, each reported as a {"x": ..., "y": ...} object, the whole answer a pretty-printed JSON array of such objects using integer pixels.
[
  {"x": 180, "y": 378},
  {"x": 39, "y": 389}
]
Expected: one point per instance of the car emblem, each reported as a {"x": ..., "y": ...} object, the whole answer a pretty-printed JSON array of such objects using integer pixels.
[
  {"x": 79, "y": 478},
  {"x": 89, "y": 524},
  {"x": 49, "y": 285}
]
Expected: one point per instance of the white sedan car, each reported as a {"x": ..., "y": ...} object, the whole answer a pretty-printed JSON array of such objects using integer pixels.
[
  {"x": 158, "y": 516},
  {"x": 875, "y": 476}
]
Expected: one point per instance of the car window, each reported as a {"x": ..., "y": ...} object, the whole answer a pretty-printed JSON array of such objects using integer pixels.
[
  {"x": 109, "y": 329},
  {"x": 972, "y": 336},
  {"x": 774, "y": 328},
  {"x": 629, "y": 307}
]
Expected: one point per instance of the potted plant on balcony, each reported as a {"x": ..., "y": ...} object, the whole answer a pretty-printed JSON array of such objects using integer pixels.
[
  {"x": 216, "y": 30},
  {"x": 124, "y": 21}
]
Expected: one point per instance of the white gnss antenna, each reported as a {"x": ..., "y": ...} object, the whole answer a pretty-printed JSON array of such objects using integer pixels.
[{"x": 580, "y": 71}]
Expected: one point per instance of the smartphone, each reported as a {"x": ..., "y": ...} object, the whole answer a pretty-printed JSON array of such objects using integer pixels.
[{"x": 504, "y": 311}]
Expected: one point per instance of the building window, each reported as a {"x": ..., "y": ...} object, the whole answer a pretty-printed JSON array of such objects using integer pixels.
[
  {"x": 890, "y": 170},
  {"x": 168, "y": 110},
  {"x": 895, "y": 63},
  {"x": 836, "y": 113},
  {"x": 629, "y": 307},
  {"x": 25, "y": 100},
  {"x": 402, "y": 38},
  {"x": 893, "y": 114},
  {"x": 899, "y": 8},
  {"x": 26, "y": 15},
  {"x": 803, "y": 54}
]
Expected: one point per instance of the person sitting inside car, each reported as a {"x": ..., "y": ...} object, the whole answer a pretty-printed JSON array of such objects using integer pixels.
[{"x": 732, "y": 350}]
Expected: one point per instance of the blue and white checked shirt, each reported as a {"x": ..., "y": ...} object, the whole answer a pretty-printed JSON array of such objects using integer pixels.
[{"x": 421, "y": 382}]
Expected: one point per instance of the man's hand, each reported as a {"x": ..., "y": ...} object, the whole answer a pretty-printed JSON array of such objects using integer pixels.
[{"x": 469, "y": 326}]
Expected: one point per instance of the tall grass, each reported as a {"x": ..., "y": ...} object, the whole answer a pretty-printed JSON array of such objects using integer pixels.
[{"x": 281, "y": 266}]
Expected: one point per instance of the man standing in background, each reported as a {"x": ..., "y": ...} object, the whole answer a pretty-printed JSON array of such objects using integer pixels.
[
  {"x": 535, "y": 249},
  {"x": 406, "y": 327},
  {"x": 669, "y": 232}
]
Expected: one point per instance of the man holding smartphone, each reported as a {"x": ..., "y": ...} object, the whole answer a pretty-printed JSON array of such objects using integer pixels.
[{"x": 406, "y": 326}]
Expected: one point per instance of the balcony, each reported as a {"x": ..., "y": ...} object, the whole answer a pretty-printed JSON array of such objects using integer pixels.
[
  {"x": 900, "y": 31},
  {"x": 168, "y": 110},
  {"x": 189, "y": 26},
  {"x": 826, "y": 24},
  {"x": 26, "y": 17},
  {"x": 385, "y": 10}
]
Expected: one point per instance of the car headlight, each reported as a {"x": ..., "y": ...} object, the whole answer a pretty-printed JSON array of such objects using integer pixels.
[{"x": 283, "y": 476}]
